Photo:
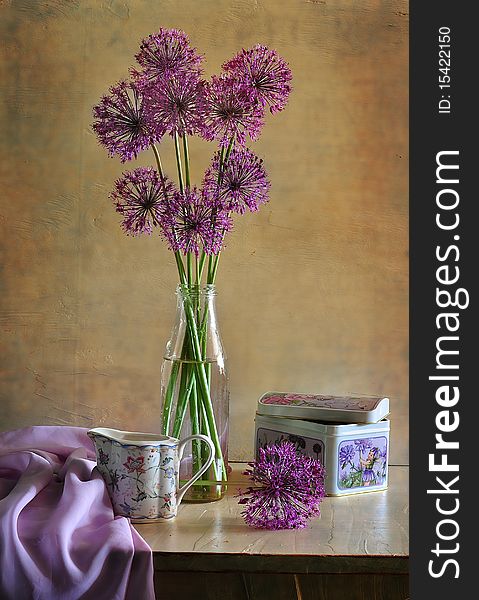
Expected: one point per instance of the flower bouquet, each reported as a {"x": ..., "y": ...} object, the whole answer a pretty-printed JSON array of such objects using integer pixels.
[{"x": 167, "y": 94}]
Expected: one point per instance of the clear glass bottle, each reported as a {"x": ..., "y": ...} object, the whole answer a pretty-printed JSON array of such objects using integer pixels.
[{"x": 194, "y": 390}]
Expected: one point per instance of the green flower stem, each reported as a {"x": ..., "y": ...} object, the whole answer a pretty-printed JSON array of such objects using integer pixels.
[
  {"x": 210, "y": 269},
  {"x": 182, "y": 403},
  {"x": 198, "y": 273},
  {"x": 203, "y": 324},
  {"x": 202, "y": 263},
  {"x": 158, "y": 161},
  {"x": 178, "y": 163},
  {"x": 195, "y": 428},
  {"x": 187, "y": 383},
  {"x": 205, "y": 430},
  {"x": 227, "y": 155},
  {"x": 220, "y": 170},
  {"x": 195, "y": 376},
  {"x": 214, "y": 260},
  {"x": 220, "y": 174},
  {"x": 186, "y": 156},
  {"x": 204, "y": 343},
  {"x": 179, "y": 261},
  {"x": 202, "y": 380},
  {"x": 194, "y": 390},
  {"x": 211, "y": 424},
  {"x": 169, "y": 398},
  {"x": 208, "y": 370},
  {"x": 166, "y": 417},
  {"x": 181, "y": 268},
  {"x": 215, "y": 268},
  {"x": 187, "y": 161},
  {"x": 189, "y": 269}
]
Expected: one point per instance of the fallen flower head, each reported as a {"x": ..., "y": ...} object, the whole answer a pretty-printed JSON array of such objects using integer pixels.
[{"x": 287, "y": 488}]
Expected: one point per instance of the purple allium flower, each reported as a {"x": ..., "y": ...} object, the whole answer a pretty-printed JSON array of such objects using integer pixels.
[
  {"x": 123, "y": 122},
  {"x": 243, "y": 182},
  {"x": 230, "y": 113},
  {"x": 288, "y": 488},
  {"x": 165, "y": 54},
  {"x": 141, "y": 197},
  {"x": 177, "y": 104},
  {"x": 266, "y": 74},
  {"x": 346, "y": 454},
  {"x": 192, "y": 223}
]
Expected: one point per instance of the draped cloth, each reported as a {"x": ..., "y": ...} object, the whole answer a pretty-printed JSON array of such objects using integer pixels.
[{"x": 59, "y": 538}]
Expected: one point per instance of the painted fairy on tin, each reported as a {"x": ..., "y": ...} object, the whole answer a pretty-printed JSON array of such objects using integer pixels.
[
  {"x": 368, "y": 463},
  {"x": 362, "y": 463}
]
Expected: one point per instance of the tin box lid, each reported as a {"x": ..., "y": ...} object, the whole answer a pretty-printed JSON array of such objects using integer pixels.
[{"x": 317, "y": 407}]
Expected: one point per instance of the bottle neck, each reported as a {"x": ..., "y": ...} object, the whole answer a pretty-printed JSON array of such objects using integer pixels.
[
  {"x": 195, "y": 290},
  {"x": 204, "y": 296},
  {"x": 196, "y": 321}
]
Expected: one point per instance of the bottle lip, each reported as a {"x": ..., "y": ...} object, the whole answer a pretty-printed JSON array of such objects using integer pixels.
[{"x": 195, "y": 290}]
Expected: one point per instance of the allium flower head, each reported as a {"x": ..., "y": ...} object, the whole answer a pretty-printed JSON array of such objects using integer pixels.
[
  {"x": 230, "y": 111},
  {"x": 192, "y": 223},
  {"x": 141, "y": 197},
  {"x": 265, "y": 73},
  {"x": 177, "y": 104},
  {"x": 165, "y": 54},
  {"x": 287, "y": 488},
  {"x": 243, "y": 181},
  {"x": 123, "y": 122}
]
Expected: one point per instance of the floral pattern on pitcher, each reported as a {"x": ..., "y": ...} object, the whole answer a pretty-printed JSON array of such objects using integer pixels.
[
  {"x": 362, "y": 463},
  {"x": 143, "y": 479},
  {"x": 133, "y": 495}
]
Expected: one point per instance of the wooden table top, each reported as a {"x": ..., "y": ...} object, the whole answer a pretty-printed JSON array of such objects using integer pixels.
[{"x": 362, "y": 533}]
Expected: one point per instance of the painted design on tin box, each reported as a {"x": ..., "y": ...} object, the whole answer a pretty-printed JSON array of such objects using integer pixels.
[
  {"x": 304, "y": 445},
  {"x": 317, "y": 401},
  {"x": 362, "y": 463}
]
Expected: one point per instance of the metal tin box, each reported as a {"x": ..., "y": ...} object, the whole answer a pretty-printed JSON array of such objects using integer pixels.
[{"x": 355, "y": 455}]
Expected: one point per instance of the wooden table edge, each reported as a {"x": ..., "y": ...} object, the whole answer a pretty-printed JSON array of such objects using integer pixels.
[{"x": 275, "y": 563}]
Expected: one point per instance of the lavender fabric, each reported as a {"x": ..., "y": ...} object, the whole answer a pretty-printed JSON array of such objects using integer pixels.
[{"x": 59, "y": 538}]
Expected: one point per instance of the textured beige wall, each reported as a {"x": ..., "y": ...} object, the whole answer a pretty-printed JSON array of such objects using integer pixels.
[{"x": 313, "y": 289}]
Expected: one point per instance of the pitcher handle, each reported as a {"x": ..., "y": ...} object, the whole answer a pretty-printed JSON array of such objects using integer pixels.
[{"x": 180, "y": 492}]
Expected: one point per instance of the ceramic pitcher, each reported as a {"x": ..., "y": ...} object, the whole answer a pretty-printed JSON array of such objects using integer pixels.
[{"x": 141, "y": 471}]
